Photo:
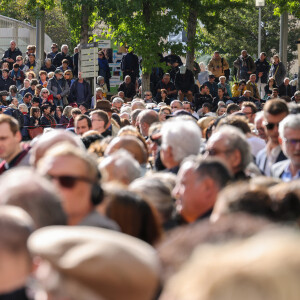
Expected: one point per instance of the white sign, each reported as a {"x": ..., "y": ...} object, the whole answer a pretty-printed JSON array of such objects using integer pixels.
[
  {"x": 89, "y": 69},
  {"x": 89, "y": 74},
  {"x": 104, "y": 44}
]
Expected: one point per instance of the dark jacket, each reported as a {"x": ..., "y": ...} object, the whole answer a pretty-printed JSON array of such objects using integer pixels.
[
  {"x": 48, "y": 70},
  {"x": 244, "y": 65},
  {"x": 54, "y": 87},
  {"x": 262, "y": 66},
  {"x": 213, "y": 88},
  {"x": 6, "y": 83},
  {"x": 130, "y": 64},
  {"x": 87, "y": 93},
  {"x": 285, "y": 90},
  {"x": 129, "y": 90},
  {"x": 47, "y": 121},
  {"x": 11, "y": 54},
  {"x": 57, "y": 61},
  {"x": 185, "y": 82}
]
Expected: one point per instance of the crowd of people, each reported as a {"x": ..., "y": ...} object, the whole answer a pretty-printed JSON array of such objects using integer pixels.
[{"x": 190, "y": 190}]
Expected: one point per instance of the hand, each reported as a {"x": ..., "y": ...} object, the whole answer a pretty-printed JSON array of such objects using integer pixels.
[
  {"x": 58, "y": 97},
  {"x": 260, "y": 74}
]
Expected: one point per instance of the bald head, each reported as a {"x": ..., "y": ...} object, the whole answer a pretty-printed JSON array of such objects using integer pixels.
[
  {"x": 145, "y": 119},
  {"x": 130, "y": 143},
  {"x": 50, "y": 139}
]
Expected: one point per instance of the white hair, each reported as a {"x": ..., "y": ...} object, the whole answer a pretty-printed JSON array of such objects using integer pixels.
[
  {"x": 183, "y": 136},
  {"x": 125, "y": 167},
  {"x": 291, "y": 121},
  {"x": 118, "y": 100}
]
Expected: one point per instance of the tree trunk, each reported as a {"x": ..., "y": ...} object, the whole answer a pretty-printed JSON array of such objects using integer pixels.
[
  {"x": 191, "y": 33},
  {"x": 145, "y": 82},
  {"x": 84, "y": 38}
]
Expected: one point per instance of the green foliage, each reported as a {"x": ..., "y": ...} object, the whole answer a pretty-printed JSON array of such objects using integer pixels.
[
  {"x": 292, "y": 6},
  {"x": 239, "y": 30},
  {"x": 141, "y": 24},
  {"x": 56, "y": 25}
]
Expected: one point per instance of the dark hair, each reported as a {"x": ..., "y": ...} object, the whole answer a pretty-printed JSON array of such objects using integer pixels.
[
  {"x": 44, "y": 107},
  {"x": 84, "y": 117},
  {"x": 35, "y": 100},
  {"x": 202, "y": 87},
  {"x": 34, "y": 82},
  {"x": 27, "y": 95},
  {"x": 134, "y": 215},
  {"x": 232, "y": 107},
  {"x": 65, "y": 61},
  {"x": 101, "y": 114},
  {"x": 16, "y": 65},
  {"x": 251, "y": 105},
  {"x": 208, "y": 105},
  {"x": 242, "y": 82}
]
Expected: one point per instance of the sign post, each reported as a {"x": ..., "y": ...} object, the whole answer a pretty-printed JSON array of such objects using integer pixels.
[{"x": 88, "y": 62}]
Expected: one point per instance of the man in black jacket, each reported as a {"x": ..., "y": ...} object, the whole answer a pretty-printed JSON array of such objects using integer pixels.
[
  {"x": 262, "y": 73},
  {"x": 184, "y": 83},
  {"x": 57, "y": 61},
  {"x": 11, "y": 54},
  {"x": 80, "y": 91},
  {"x": 130, "y": 65}
]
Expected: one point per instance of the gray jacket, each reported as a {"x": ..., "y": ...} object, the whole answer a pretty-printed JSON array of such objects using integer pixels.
[{"x": 53, "y": 87}]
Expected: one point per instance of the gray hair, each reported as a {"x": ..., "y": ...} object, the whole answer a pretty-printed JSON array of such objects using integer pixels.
[
  {"x": 291, "y": 121},
  {"x": 138, "y": 105},
  {"x": 44, "y": 90},
  {"x": 183, "y": 136},
  {"x": 23, "y": 107},
  {"x": 64, "y": 45},
  {"x": 125, "y": 168},
  {"x": 118, "y": 100},
  {"x": 177, "y": 101},
  {"x": 235, "y": 139}
]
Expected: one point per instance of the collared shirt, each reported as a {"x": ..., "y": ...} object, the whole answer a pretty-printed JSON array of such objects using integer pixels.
[
  {"x": 271, "y": 159},
  {"x": 287, "y": 174}
]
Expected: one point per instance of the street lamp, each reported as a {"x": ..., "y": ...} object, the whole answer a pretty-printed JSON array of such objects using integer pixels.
[{"x": 259, "y": 4}]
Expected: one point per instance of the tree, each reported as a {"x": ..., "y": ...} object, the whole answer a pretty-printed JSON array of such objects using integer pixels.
[
  {"x": 239, "y": 30},
  {"x": 56, "y": 25},
  {"x": 144, "y": 25}
]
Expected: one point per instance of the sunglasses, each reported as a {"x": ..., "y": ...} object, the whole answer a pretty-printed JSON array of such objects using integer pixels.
[
  {"x": 68, "y": 181},
  {"x": 270, "y": 126}
]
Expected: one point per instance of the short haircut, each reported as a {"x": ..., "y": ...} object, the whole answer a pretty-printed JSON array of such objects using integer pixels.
[
  {"x": 251, "y": 105},
  {"x": 232, "y": 107},
  {"x": 24, "y": 107},
  {"x": 101, "y": 114},
  {"x": 83, "y": 117},
  {"x": 118, "y": 100},
  {"x": 207, "y": 105},
  {"x": 148, "y": 116},
  {"x": 12, "y": 122},
  {"x": 24, "y": 188},
  {"x": 34, "y": 82},
  {"x": 27, "y": 95},
  {"x": 15, "y": 228},
  {"x": 236, "y": 121},
  {"x": 76, "y": 111},
  {"x": 183, "y": 136},
  {"x": 177, "y": 101},
  {"x": 210, "y": 167},
  {"x": 291, "y": 121},
  {"x": 44, "y": 107},
  {"x": 276, "y": 107},
  {"x": 135, "y": 114},
  {"x": 202, "y": 87},
  {"x": 65, "y": 61}
]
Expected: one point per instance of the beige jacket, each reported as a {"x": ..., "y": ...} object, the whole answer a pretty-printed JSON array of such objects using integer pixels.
[{"x": 215, "y": 66}]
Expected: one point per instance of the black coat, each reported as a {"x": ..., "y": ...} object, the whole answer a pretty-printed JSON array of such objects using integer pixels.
[
  {"x": 87, "y": 92},
  {"x": 185, "y": 82},
  {"x": 262, "y": 66},
  {"x": 285, "y": 90},
  {"x": 6, "y": 83},
  {"x": 11, "y": 54},
  {"x": 57, "y": 61}
]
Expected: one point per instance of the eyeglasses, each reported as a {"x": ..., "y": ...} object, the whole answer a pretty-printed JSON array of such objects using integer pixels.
[
  {"x": 214, "y": 152},
  {"x": 270, "y": 126},
  {"x": 93, "y": 120},
  {"x": 68, "y": 181},
  {"x": 292, "y": 142},
  {"x": 147, "y": 95},
  {"x": 174, "y": 107},
  {"x": 67, "y": 74},
  {"x": 19, "y": 60}
]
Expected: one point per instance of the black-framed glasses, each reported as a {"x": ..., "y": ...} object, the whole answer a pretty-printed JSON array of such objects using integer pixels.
[
  {"x": 270, "y": 126},
  {"x": 68, "y": 181},
  {"x": 147, "y": 95}
]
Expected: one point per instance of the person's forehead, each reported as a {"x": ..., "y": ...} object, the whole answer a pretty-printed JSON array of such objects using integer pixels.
[
  {"x": 291, "y": 133},
  {"x": 63, "y": 165},
  {"x": 275, "y": 118},
  {"x": 216, "y": 140},
  {"x": 246, "y": 108},
  {"x": 5, "y": 130},
  {"x": 82, "y": 122}
]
